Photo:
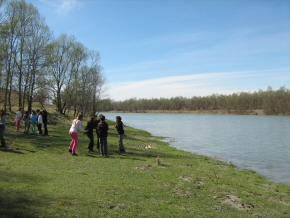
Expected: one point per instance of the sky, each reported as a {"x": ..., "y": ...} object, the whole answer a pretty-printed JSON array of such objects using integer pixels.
[{"x": 169, "y": 48}]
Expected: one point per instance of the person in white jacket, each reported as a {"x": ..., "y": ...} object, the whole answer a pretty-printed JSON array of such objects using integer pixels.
[
  {"x": 18, "y": 119},
  {"x": 39, "y": 123},
  {"x": 76, "y": 125}
]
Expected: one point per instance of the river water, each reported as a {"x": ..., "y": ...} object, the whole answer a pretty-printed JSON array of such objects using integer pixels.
[{"x": 259, "y": 143}]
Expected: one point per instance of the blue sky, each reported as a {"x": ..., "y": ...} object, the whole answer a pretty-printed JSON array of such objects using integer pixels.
[{"x": 153, "y": 49}]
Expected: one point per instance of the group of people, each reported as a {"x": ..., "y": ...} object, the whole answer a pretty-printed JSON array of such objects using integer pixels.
[
  {"x": 39, "y": 118},
  {"x": 101, "y": 127},
  {"x": 34, "y": 119}
]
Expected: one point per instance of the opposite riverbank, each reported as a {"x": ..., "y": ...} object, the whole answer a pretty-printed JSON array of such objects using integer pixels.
[
  {"x": 39, "y": 178},
  {"x": 249, "y": 112}
]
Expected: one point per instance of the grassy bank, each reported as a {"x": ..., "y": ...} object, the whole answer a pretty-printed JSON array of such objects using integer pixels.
[{"x": 39, "y": 178}]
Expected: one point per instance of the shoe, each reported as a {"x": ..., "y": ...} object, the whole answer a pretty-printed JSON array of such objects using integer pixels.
[
  {"x": 75, "y": 154},
  {"x": 69, "y": 150},
  {"x": 91, "y": 150},
  {"x": 106, "y": 156}
]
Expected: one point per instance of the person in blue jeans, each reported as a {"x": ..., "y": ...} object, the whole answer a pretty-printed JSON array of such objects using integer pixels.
[{"x": 103, "y": 134}]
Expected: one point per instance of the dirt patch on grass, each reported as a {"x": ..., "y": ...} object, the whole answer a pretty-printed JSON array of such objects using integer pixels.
[
  {"x": 234, "y": 201},
  {"x": 186, "y": 178}
]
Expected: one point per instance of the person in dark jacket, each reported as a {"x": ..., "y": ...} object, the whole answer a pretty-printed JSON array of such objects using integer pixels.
[
  {"x": 91, "y": 125},
  {"x": 2, "y": 128},
  {"x": 98, "y": 137},
  {"x": 103, "y": 134},
  {"x": 44, "y": 121},
  {"x": 120, "y": 129}
]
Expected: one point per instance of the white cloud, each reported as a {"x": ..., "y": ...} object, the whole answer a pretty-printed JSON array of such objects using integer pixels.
[
  {"x": 62, "y": 6},
  {"x": 65, "y": 6}
]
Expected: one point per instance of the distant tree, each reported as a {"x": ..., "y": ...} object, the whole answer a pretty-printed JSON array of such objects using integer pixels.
[{"x": 272, "y": 102}]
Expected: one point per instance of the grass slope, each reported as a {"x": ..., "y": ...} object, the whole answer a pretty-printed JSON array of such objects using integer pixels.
[{"x": 39, "y": 178}]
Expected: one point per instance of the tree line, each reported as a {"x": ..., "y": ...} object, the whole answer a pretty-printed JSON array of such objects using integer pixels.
[
  {"x": 42, "y": 68},
  {"x": 272, "y": 102}
]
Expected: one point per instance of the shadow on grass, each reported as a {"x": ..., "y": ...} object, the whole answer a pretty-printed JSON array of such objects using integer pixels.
[
  {"x": 17, "y": 203},
  {"x": 60, "y": 142},
  {"x": 11, "y": 151},
  {"x": 21, "y": 141}
]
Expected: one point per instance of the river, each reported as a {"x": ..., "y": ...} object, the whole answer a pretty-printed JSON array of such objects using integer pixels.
[{"x": 258, "y": 143}]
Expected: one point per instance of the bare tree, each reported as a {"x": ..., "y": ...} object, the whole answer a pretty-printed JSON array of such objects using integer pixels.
[
  {"x": 35, "y": 60},
  {"x": 24, "y": 36},
  {"x": 58, "y": 67}
]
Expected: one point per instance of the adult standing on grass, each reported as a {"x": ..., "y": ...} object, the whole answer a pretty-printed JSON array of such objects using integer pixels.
[
  {"x": 76, "y": 125},
  {"x": 2, "y": 128},
  {"x": 103, "y": 134},
  {"x": 44, "y": 119},
  {"x": 18, "y": 119},
  {"x": 120, "y": 129},
  {"x": 91, "y": 125}
]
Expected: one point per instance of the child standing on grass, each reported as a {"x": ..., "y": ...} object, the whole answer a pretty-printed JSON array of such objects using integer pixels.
[
  {"x": 120, "y": 129},
  {"x": 76, "y": 125},
  {"x": 18, "y": 119},
  {"x": 98, "y": 137},
  {"x": 33, "y": 118},
  {"x": 44, "y": 119},
  {"x": 39, "y": 123},
  {"x": 26, "y": 119},
  {"x": 103, "y": 134},
  {"x": 91, "y": 125}
]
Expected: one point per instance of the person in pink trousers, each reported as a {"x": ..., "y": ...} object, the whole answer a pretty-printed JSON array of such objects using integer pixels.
[{"x": 76, "y": 125}]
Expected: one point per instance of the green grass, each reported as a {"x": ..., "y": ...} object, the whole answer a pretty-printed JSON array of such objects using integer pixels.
[{"x": 40, "y": 178}]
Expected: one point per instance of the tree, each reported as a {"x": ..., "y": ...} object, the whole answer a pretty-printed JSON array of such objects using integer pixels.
[
  {"x": 24, "y": 35},
  {"x": 58, "y": 67},
  {"x": 34, "y": 80},
  {"x": 74, "y": 75}
]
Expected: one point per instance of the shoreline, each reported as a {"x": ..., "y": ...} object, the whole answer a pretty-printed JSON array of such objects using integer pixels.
[
  {"x": 241, "y": 166},
  {"x": 221, "y": 112},
  {"x": 152, "y": 179}
]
